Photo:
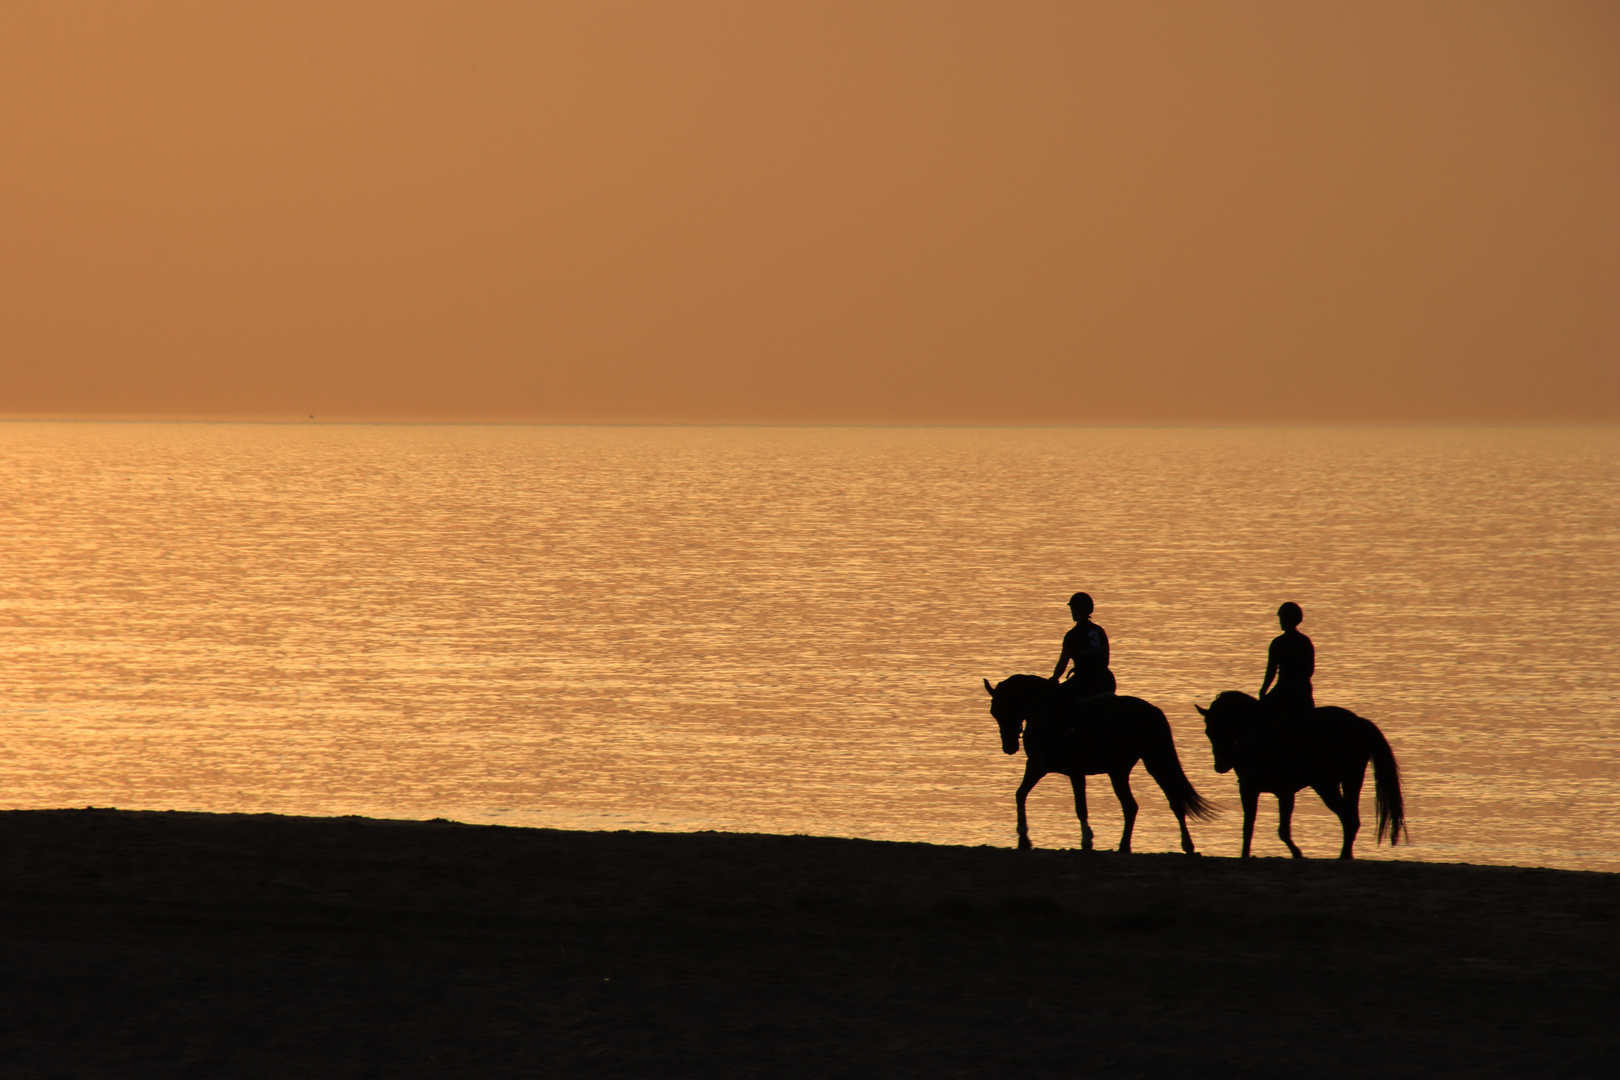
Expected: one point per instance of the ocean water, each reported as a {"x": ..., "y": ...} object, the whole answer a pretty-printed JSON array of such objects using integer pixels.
[{"x": 785, "y": 629}]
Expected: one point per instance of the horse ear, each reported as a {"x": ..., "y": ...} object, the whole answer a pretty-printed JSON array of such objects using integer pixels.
[
  {"x": 989, "y": 689},
  {"x": 1201, "y": 710}
]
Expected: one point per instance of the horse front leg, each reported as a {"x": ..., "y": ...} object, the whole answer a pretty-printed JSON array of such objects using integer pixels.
[
  {"x": 1127, "y": 804},
  {"x": 1250, "y": 797},
  {"x": 1032, "y": 776},
  {"x": 1285, "y": 822},
  {"x": 1078, "y": 782}
]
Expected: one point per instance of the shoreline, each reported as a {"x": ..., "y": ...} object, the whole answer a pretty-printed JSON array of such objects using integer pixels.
[{"x": 166, "y": 943}]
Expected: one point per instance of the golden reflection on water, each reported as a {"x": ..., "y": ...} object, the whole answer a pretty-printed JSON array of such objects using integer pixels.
[{"x": 785, "y": 629}]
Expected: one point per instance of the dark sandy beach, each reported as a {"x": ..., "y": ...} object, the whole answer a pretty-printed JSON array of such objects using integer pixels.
[{"x": 170, "y": 945}]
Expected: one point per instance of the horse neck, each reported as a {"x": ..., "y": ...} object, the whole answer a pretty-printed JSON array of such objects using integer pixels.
[
  {"x": 1243, "y": 720},
  {"x": 1031, "y": 696},
  {"x": 1041, "y": 711},
  {"x": 1034, "y": 703},
  {"x": 1041, "y": 729}
]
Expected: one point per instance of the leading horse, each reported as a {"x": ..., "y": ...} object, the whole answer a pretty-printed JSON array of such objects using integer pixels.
[
  {"x": 1104, "y": 734},
  {"x": 1326, "y": 750}
]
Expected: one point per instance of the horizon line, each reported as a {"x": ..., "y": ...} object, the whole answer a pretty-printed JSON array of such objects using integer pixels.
[{"x": 362, "y": 421}]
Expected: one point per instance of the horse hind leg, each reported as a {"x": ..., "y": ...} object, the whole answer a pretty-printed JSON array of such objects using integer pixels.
[
  {"x": 1168, "y": 783},
  {"x": 1348, "y": 807},
  {"x": 1285, "y": 823},
  {"x": 1250, "y": 798},
  {"x": 1352, "y": 801},
  {"x": 1186, "y": 837},
  {"x": 1127, "y": 803},
  {"x": 1078, "y": 782}
]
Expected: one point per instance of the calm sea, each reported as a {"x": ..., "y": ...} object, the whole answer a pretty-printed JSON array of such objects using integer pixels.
[{"x": 785, "y": 629}]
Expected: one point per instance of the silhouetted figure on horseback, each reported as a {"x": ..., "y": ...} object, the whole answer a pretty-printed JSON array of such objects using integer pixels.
[
  {"x": 1291, "y": 661},
  {"x": 1105, "y": 733},
  {"x": 1085, "y": 646},
  {"x": 1282, "y": 742},
  {"x": 1082, "y": 727},
  {"x": 1327, "y": 750}
]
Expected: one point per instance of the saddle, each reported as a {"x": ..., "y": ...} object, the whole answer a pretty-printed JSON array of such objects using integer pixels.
[{"x": 1074, "y": 693}]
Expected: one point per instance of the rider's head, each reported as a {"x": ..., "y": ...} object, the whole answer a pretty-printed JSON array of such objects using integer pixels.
[
  {"x": 1080, "y": 605},
  {"x": 1290, "y": 616}
]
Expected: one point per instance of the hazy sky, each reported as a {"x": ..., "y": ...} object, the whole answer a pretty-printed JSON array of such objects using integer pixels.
[{"x": 867, "y": 211}]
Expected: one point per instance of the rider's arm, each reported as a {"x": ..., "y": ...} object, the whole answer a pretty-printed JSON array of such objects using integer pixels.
[
  {"x": 1271, "y": 668},
  {"x": 1063, "y": 662}
]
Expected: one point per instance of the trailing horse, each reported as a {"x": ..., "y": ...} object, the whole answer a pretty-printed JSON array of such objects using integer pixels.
[
  {"x": 1103, "y": 734},
  {"x": 1326, "y": 750}
]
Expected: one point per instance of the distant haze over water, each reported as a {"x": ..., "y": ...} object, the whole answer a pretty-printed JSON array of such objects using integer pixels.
[{"x": 785, "y": 629}]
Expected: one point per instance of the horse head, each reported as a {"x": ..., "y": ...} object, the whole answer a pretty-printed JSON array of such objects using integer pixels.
[
  {"x": 1227, "y": 720},
  {"x": 1012, "y": 701}
]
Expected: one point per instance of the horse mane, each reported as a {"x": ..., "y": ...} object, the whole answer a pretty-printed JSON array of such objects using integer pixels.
[
  {"x": 1029, "y": 691},
  {"x": 1030, "y": 695},
  {"x": 1234, "y": 699},
  {"x": 1025, "y": 684}
]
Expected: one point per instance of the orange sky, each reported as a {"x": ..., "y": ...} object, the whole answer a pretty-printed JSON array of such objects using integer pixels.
[{"x": 867, "y": 211}]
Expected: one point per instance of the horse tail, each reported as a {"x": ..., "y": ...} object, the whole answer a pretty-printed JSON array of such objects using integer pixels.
[
  {"x": 1387, "y": 787},
  {"x": 1164, "y": 765}
]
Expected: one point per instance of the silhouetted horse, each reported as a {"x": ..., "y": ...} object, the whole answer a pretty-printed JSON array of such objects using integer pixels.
[
  {"x": 1105, "y": 734},
  {"x": 1326, "y": 750}
]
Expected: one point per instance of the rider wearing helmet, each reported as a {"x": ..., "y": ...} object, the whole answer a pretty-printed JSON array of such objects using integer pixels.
[
  {"x": 1291, "y": 660},
  {"x": 1087, "y": 646}
]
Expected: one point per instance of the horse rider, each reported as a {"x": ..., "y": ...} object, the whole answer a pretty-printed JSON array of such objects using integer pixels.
[
  {"x": 1086, "y": 645},
  {"x": 1291, "y": 660}
]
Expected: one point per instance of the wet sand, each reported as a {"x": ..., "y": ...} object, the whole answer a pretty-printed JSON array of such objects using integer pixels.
[{"x": 173, "y": 945}]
